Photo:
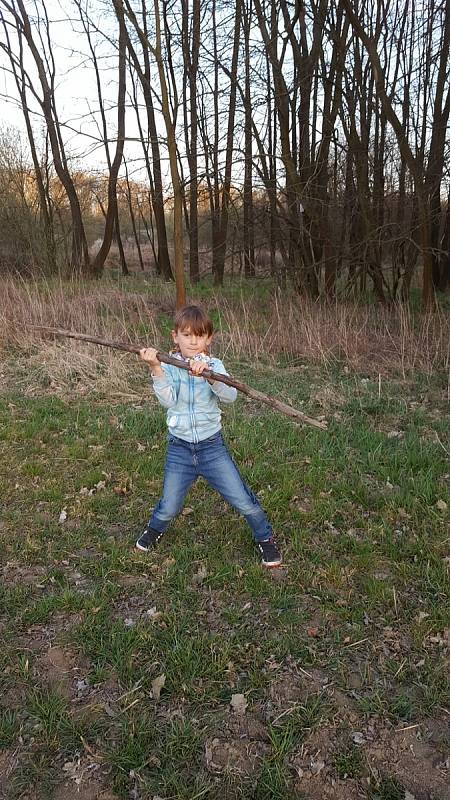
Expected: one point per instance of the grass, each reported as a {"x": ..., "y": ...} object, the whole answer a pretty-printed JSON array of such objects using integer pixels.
[
  {"x": 9, "y": 727},
  {"x": 388, "y": 789},
  {"x": 360, "y": 613},
  {"x": 348, "y": 763}
]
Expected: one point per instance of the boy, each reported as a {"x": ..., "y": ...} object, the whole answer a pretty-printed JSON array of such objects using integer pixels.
[{"x": 195, "y": 444}]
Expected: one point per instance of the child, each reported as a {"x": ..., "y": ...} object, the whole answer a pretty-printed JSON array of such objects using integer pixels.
[{"x": 195, "y": 444}]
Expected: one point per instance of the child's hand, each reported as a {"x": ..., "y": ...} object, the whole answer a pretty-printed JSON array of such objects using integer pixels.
[
  {"x": 197, "y": 367},
  {"x": 149, "y": 355}
]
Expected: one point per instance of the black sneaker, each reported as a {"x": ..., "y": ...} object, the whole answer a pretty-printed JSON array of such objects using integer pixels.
[
  {"x": 148, "y": 539},
  {"x": 270, "y": 554}
]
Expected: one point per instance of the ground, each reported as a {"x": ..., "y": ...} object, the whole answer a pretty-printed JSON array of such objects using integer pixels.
[{"x": 191, "y": 672}]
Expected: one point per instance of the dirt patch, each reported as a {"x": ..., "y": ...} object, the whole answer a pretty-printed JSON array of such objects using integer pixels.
[
  {"x": 13, "y": 574},
  {"x": 315, "y": 788},
  {"x": 278, "y": 574},
  {"x": 7, "y": 766},
  {"x": 13, "y": 698},
  {"x": 97, "y": 699},
  {"x": 288, "y": 689},
  {"x": 71, "y": 791},
  {"x": 132, "y": 609},
  {"x": 238, "y": 757},
  {"x": 418, "y": 764},
  {"x": 40, "y": 637},
  {"x": 85, "y": 780},
  {"x": 238, "y": 742},
  {"x": 62, "y": 622},
  {"x": 83, "y": 584},
  {"x": 87, "y": 552},
  {"x": 35, "y": 640},
  {"x": 250, "y": 726},
  {"x": 115, "y": 530},
  {"x": 437, "y": 731},
  {"x": 58, "y": 670},
  {"x": 406, "y": 755},
  {"x": 328, "y": 397},
  {"x": 131, "y": 580},
  {"x": 314, "y": 757},
  {"x": 293, "y": 687}
]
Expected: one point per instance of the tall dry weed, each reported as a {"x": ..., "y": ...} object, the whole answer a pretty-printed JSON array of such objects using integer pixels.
[
  {"x": 282, "y": 327},
  {"x": 363, "y": 337}
]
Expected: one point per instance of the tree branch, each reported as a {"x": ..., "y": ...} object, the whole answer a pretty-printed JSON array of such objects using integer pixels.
[{"x": 165, "y": 358}]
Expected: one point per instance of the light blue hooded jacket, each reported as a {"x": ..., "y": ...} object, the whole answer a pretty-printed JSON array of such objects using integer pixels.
[{"x": 193, "y": 412}]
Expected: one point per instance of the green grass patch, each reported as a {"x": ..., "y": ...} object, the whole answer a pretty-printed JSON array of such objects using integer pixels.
[{"x": 361, "y": 518}]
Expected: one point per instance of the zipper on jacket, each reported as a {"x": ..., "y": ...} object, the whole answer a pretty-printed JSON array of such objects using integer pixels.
[{"x": 191, "y": 407}]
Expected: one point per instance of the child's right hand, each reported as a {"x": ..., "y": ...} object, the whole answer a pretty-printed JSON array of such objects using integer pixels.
[{"x": 149, "y": 355}]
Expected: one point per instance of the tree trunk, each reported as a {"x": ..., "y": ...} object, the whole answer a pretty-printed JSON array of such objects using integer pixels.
[
  {"x": 249, "y": 230},
  {"x": 163, "y": 265},
  {"x": 191, "y": 50},
  {"x": 176, "y": 183},
  {"x": 221, "y": 246},
  {"x": 112, "y": 214}
]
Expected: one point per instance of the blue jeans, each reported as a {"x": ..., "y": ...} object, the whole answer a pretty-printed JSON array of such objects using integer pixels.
[{"x": 211, "y": 460}]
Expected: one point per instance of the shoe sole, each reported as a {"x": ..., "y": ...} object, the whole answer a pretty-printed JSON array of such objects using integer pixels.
[
  {"x": 140, "y": 547},
  {"x": 271, "y": 564}
]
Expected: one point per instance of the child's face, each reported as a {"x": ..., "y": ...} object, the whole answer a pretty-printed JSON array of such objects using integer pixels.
[{"x": 191, "y": 344}]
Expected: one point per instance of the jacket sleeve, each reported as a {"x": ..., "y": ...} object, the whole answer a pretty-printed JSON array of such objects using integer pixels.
[
  {"x": 226, "y": 394},
  {"x": 164, "y": 387}
]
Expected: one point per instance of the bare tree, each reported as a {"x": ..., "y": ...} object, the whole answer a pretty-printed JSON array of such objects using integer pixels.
[
  {"x": 414, "y": 162},
  {"x": 156, "y": 52},
  {"x": 21, "y": 80},
  {"x": 317, "y": 132},
  {"x": 112, "y": 224},
  {"x": 46, "y": 69},
  {"x": 220, "y": 243},
  {"x": 249, "y": 230},
  {"x": 191, "y": 52}
]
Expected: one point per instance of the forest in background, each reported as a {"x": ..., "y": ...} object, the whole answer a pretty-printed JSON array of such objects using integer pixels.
[{"x": 308, "y": 141}]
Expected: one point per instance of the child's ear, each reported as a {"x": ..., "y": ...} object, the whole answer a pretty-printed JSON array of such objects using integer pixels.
[{"x": 173, "y": 333}]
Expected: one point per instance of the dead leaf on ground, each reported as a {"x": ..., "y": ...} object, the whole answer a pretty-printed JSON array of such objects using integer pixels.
[
  {"x": 200, "y": 575},
  {"x": 153, "y": 614},
  {"x": 124, "y": 488},
  {"x": 97, "y": 487},
  {"x": 158, "y": 684},
  {"x": 317, "y": 766},
  {"x": 238, "y": 703}
]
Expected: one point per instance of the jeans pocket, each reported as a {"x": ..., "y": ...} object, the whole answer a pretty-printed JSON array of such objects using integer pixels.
[{"x": 216, "y": 438}]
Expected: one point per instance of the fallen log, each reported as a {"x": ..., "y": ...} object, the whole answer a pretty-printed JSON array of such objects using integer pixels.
[{"x": 165, "y": 358}]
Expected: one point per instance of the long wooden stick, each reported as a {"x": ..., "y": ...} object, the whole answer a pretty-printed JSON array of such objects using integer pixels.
[{"x": 165, "y": 358}]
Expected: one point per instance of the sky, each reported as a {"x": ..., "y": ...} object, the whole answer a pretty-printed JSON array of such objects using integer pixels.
[{"x": 76, "y": 90}]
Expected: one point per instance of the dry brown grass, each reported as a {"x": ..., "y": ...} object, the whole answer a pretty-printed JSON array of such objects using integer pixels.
[
  {"x": 364, "y": 338},
  {"x": 88, "y": 306},
  {"x": 96, "y": 308}
]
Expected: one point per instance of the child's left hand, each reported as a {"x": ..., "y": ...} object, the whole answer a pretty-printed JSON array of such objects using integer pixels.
[{"x": 197, "y": 367}]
